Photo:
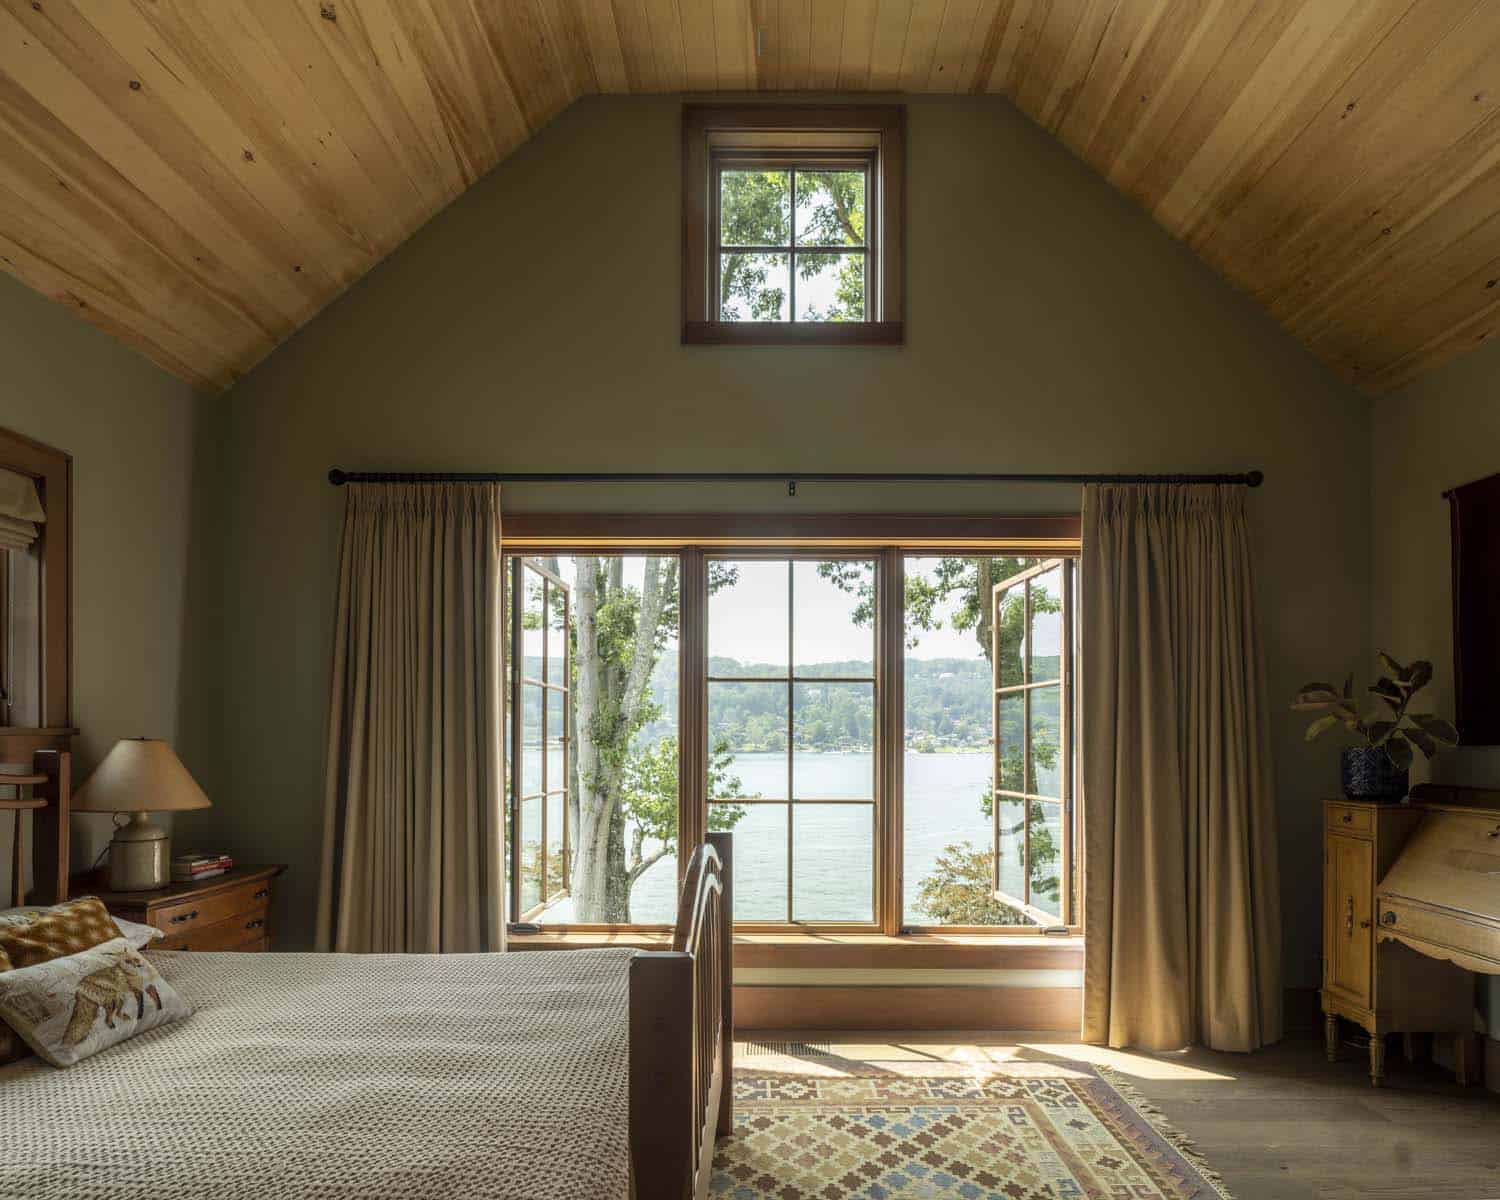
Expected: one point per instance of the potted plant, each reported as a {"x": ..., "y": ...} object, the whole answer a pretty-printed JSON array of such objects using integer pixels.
[{"x": 1379, "y": 769}]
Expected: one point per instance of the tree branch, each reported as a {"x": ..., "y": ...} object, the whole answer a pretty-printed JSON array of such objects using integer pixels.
[{"x": 645, "y": 865}]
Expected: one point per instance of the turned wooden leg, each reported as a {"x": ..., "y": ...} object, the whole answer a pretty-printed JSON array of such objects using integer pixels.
[
  {"x": 1377, "y": 1060},
  {"x": 1331, "y": 1036}
]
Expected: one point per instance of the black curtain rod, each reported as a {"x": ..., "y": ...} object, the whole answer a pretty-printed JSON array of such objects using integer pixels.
[{"x": 791, "y": 478}]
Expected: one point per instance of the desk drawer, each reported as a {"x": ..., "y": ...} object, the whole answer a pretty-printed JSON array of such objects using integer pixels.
[
  {"x": 1347, "y": 818},
  {"x": 1473, "y": 945},
  {"x": 231, "y": 934},
  {"x": 198, "y": 912}
]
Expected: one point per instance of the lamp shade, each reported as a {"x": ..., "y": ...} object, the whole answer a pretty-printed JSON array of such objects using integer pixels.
[{"x": 140, "y": 775}]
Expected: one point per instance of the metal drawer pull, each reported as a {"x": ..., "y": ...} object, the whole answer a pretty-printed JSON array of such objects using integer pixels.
[
  {"x": 1495, "y": 832},
  {"x": 181, "y": 917},
  {"x": 255, "y": 924},
  {"x": 1347, "y": 818},
  {"x": 1387, "y": 918},
  {"x": 262, "y": 894}
]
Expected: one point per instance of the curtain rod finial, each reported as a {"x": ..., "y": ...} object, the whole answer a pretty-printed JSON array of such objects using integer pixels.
[
  {"x": 337, "y": 477},
  {"x": 1255, "y": 478}
]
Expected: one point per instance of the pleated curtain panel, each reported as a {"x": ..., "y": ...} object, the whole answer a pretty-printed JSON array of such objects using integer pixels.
[
  {"x": 1181, "y": 901},
  {"x": 413, "y": 836}
]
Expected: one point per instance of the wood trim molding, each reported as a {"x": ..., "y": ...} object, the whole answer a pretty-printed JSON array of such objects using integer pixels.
[
  {"x": 908, "y": 1008},
  {"x": 608, "y": 532},
  {"x": 52, "y": 469}
]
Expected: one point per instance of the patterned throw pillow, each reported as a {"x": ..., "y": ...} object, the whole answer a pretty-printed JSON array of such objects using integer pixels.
[
  {"x": 71, "y": 1007},
  {"x": 60, "y": 930},
  {"x": 138, "y": 935}
]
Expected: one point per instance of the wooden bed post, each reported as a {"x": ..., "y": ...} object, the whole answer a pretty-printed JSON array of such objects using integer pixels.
[
  {"x": 661, "y": 1076},
  {"x": 723, "y": 844}
]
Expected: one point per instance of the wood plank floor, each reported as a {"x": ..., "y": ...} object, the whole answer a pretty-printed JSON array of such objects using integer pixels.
[{"x": 1279, "y": 1125}]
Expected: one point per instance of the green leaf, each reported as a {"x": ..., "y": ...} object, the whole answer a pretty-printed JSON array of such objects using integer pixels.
[
  {"x": 1421, "y": 741},
  {"x": 1322, "y": 724},
  {"x": 1378, "y": 731},
  {"x": 1302, "y": 704},
  {"x": 1391, "y": 666},
  {"x": 1435, "y": 727},
  {"x": 1398, "y": 750},
  {"x": 1420, "y": 675},
  {"x": 1317, "y": 687}
]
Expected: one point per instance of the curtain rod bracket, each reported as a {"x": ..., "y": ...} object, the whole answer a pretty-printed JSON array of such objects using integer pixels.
[{"x": 791, "y": 487}]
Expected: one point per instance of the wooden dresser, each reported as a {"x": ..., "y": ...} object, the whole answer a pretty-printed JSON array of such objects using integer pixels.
[
  {"x": 1382, "y": 986},
  {"x": 228, "y": 912}
]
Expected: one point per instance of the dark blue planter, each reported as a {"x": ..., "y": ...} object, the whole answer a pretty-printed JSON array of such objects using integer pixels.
[{"x": 1367, "y": 773}]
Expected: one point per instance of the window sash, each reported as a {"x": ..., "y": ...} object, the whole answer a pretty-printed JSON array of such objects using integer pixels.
[
  {"x": 544, "y": 689},
  {"x": 730, "y": 160},
  {"x": 1026, "y": 689}
]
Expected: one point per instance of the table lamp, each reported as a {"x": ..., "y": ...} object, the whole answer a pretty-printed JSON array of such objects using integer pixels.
[{"x": 139, "y": 776}]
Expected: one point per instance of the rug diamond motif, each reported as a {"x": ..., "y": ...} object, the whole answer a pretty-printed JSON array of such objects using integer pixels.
[{"x": 1009, "y": 1131}]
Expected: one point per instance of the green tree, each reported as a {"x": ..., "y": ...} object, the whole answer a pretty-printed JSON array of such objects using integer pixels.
[{"x": 618, "y": 636}]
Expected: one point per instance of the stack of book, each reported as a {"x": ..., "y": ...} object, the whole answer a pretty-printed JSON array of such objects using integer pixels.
[{"x": 187, "y": 868}]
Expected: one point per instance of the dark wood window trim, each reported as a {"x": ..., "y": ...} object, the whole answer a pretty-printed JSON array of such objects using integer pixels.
[
  {"x": 52, "y": 470},
  {"x": 874, "y": 134},
  {"x": 696, "y": 537}
]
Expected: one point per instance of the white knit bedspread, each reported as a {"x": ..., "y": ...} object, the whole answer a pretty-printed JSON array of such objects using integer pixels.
[{"x": 340, "y": 1076}]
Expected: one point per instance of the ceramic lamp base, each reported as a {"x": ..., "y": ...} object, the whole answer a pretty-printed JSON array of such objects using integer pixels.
[{"x": 139, "y": 856}]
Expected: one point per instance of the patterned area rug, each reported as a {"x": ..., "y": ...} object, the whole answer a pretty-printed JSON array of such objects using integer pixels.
[{"x": 832, "y": 1129}]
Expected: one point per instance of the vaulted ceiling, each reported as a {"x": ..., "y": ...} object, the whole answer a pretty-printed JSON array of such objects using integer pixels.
[{"x": 200, "y": 177}]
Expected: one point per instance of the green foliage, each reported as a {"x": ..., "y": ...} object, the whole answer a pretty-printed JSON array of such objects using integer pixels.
[
  {"x": 1399, "y": 730},
  {"x": 960, "y": 890},
  {"x": 756, "y": 209}
]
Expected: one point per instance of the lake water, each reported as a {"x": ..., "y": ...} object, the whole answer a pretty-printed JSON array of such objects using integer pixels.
[{"x": 831, "y": 865}]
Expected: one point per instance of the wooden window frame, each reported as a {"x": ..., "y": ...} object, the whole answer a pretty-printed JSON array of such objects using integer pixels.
[
  {"x": 800, "y": 135},
  {"x": 888, "y": 539},
  {"x": 52, "y": 470}
]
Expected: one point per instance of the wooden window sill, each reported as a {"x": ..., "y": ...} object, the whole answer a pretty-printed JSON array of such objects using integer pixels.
[
  {"x": 855, "y": 951},
  {"x": 793, "y": 333}
]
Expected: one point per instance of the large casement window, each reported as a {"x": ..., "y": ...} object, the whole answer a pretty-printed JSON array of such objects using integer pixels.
[
  {"x": 792, "y": 224},
  {"x": 888, "y": 731}
]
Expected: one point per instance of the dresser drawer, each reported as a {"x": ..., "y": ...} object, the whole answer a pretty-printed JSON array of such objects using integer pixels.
[
  {"x": 1348, "y": 818},
  {"x": 1474, "y": 946},
  {"x": 232, "y": 934},
  {"x": 198, "y": 912}
]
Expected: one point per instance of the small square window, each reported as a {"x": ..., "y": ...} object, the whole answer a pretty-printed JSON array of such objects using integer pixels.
[{"x": 792, "y": 225}]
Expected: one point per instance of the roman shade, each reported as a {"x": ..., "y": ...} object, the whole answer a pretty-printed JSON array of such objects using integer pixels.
[{"x": 20, "y": 511}]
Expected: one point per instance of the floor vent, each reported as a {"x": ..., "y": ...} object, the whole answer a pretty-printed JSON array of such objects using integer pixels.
[{"x": 792, "y": 1049}]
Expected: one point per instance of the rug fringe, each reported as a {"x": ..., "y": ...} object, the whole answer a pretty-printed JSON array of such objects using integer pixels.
[{"x": 1164, "y": 1128}]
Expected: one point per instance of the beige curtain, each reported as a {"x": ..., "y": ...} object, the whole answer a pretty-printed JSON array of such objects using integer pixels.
[
  {"x": 412, "y": 822},
  {"x": 1181, "y": 906}
]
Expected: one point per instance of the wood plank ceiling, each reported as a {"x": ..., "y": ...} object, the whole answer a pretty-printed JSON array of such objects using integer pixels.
[{"x": 200, "y": 177}]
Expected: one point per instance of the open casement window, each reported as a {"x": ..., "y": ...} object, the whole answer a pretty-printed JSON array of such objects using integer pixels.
[
  {"x": 539, "y": 782},
  {"x": 1032, "y": 663},
  {"x": 792, "y": 224}
]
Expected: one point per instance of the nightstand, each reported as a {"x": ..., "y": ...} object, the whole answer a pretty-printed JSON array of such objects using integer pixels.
[{"x": 228, "y": 912}]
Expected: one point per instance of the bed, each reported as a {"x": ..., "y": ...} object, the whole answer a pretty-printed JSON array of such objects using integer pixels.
[{"x": 560, "y": 1076}]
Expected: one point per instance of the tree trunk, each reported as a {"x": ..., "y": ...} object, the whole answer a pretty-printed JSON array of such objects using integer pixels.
[{"x": 608, "y": 704}]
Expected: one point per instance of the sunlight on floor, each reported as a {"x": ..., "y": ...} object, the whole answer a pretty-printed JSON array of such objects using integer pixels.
[{"x": 903, "y": 1054}]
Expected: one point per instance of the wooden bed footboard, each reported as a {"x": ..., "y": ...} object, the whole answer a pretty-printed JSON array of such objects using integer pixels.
[{"x": 682, "y": 1037}]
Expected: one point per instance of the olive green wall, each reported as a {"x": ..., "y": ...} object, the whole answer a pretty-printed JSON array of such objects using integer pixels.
[
  {"x": 534, "y": 326},
  {"x": 130, "y": 428},
  {"x": 1439, "y": 432}
]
